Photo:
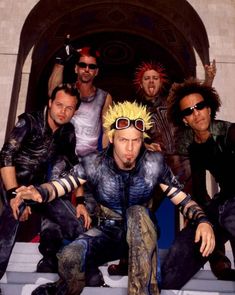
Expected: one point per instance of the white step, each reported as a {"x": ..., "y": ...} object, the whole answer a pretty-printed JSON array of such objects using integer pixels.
[{"x": 21, "y": 277}]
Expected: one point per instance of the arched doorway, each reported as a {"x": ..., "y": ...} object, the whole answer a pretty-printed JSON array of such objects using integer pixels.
[{"x": 127, "y": 32}]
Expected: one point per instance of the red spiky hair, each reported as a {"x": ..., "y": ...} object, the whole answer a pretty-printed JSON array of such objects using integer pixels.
[
  {"x": 88, "y": 51},
  {"x": 146, "y": 66}
]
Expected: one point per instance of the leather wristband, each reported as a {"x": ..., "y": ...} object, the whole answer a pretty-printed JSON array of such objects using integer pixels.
[
  {"x": 43, "y": 192},
  {"x": 80, "y": 200},
  {"x": 204, "y": 219},
  {"x": 11, "y": 193}
]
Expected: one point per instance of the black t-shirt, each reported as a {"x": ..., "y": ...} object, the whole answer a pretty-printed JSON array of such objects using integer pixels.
[{"x": 218, "y": 157}]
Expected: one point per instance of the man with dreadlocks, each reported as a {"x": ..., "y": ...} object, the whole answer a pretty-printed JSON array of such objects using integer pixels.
[
  {"x": 124, "y": 177},
  {"x": 210, "y": 145}
]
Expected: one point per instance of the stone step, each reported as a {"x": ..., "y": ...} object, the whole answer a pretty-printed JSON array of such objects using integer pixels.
[{"x": 21, "y": 278}]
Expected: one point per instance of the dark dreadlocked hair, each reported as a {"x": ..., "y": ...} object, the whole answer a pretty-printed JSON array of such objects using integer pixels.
[{"x": 192, "y": 85}]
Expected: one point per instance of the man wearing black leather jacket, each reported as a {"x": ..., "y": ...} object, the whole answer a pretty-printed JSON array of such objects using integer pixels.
[{"x": 40, "y": 146}]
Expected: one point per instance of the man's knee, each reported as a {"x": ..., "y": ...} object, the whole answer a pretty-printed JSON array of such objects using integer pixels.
[
  {"x": 72, "y": 260},
  {"x": 71, "y": 265}
]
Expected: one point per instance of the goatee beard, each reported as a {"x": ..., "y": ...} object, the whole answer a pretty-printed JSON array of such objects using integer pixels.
[{"x": 128, "y": 165}]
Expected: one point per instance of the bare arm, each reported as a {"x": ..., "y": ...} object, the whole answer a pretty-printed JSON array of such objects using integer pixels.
[
  {"x": 210, "y": 72},
  {"x": 56, "y": 78},
  {"x": 8, "y": 175},
  {"x": 108, "y": 102}
]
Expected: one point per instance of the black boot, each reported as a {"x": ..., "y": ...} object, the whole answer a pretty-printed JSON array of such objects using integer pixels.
[
  {"x": 56, "y": 288},
  {"x": 221, "y": 267},
  {"x": 94, "y": 278},
  {"x": 50, "y": 243},
  {"x": 48, "y": 264},
  {"x": 120, "y": 269}
]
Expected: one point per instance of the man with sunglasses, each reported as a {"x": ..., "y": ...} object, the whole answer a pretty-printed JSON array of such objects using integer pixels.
[
  {"x": 40, "y": 146},
  {"x": 210, "y": 145},
  {"x": 94, "y": 101},
  {"x": 94, "y": 104},
  {"x": 124, "y": 177}
]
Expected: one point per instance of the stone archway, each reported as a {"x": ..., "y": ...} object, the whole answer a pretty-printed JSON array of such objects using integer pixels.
[{"x": 127, "y": 32}]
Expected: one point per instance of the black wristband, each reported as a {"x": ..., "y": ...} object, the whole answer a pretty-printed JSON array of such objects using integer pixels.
[
  {"x": 43, "y": 192},
  {"x": 11, "y": 193},
  {"x": 80, "y": 200},
  {"x": 204, "y": 219}
]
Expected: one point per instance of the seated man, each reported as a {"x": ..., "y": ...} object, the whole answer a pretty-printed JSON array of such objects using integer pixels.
[
  {"x": 123, "y": 177},
  {"x": 41, "y": 144},
  {"x": 210, "y": 145}
]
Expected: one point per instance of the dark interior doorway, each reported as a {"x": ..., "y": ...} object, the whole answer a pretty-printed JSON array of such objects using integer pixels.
[
  {"x": 121, "y": 53},
  {"x": 126, "y": 32}
]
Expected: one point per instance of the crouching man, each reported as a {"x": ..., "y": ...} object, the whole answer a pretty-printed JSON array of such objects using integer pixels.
[{"x": 123, "y": 178}]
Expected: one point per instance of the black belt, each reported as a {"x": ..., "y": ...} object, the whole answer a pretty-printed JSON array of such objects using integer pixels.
[{"x": 106, "y": 221}]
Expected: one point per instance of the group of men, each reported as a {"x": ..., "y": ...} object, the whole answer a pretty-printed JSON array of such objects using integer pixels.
[{"x": 128, "y": 179}]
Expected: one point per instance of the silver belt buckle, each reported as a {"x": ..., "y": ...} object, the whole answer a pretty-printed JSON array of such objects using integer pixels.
[{"x": 112, "y": 222}]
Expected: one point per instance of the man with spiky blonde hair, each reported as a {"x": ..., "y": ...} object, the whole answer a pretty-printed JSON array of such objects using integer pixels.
[
  {"x": 123, "y": 178},
  {"x": 133, "y": 111}
]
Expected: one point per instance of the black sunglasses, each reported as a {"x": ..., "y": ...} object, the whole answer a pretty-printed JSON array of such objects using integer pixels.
[
  {"x": 199, "y": 106},
  {"x": 84, "y": 65},
  {"x": 123, "y": 123}
]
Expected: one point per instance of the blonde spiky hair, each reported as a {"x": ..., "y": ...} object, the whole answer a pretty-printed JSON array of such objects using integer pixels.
[{"x": 131, "y": 110}]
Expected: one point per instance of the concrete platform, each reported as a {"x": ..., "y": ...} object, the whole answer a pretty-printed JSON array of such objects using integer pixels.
[{"x": 21, "y": 278}]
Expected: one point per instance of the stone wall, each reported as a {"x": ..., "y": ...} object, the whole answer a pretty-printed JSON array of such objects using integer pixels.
[
  {"x": 218, "y": 18},
  {"x": 12, "y": 16}
]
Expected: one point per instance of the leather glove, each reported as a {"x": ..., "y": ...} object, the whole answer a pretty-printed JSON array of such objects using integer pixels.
[{"x": 66, "y": 53}]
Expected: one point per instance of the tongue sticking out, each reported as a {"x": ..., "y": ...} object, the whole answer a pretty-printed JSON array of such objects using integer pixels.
[{"x": 151, "y": 90}]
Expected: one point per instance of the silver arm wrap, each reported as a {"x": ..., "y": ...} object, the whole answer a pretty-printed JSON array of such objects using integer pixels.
[{"x": 62, "y": 186}]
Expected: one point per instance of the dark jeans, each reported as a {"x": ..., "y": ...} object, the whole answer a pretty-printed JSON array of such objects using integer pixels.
[
  {"x": 60, "y": 222},
  {"x": 184, "y": 258}
]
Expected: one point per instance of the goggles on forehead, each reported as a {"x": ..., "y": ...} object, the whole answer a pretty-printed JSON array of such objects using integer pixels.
[
  {"x": 199, "y": 106},
  {"x": 123, "y": 123}
]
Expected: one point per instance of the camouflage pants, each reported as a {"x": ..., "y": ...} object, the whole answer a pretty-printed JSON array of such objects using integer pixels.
[
  {"x": 109, "y": 242},
  {"x": 79, "y": 261},
  {"x": 142, "y": 241},
  {"x": 71, "y": 267}
]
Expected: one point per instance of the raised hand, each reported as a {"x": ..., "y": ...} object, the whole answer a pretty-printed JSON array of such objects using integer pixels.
[
  {"x": 66, "y": 53},
  {"x": 210, "y": 72}
]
